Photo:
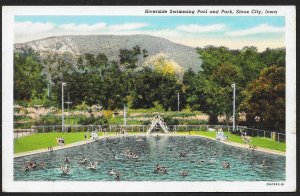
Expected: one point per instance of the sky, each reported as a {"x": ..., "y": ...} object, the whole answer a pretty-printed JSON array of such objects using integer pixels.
[{"x": 234, "y": 32}]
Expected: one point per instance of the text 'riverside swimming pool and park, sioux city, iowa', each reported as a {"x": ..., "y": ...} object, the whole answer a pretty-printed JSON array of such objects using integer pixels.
[{"x": 212, "y": 11}]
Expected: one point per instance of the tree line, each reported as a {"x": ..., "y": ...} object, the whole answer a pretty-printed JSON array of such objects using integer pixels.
[{"x": 93, "y": 79}]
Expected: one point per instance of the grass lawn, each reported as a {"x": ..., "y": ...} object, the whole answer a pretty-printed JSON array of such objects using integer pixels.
[
  {"x": 44, "y": 140},
  {"x": 257, "y": 141}
]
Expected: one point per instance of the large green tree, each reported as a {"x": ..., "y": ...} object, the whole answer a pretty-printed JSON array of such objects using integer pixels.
[
  {"x": 264, "y": 102},
  {"x": 151, "y": 86},
  {"x": 28, "y": 79}
]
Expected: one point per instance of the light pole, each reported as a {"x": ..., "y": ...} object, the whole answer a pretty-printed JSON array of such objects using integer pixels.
[
  {"x": 68, "y": 102},
  {"x": 233, "y": 115},
  {"x": 62, "y": 105},
  {"x": 178, "y": 102},
  {"x": 124, "y": 114}
]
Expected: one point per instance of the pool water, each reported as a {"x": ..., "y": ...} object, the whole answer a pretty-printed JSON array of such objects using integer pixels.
[{"x": 203, "y": 161}]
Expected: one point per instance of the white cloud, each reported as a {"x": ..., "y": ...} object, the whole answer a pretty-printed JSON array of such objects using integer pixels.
[
  {"x": 27, "y": 31},
  {"x": 27, "y": 28},
  {"x": 82, "y": 27},
  {"x": 127, "y": 26},
  {"x": 260, "y": 29},
  {"x": 193, "y": 28},
  {"x": 184, "y": 34},
  {"x": 233, "y": 43}
]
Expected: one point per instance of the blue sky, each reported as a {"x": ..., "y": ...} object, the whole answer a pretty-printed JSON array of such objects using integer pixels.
[{"x": 233, "y": 32}]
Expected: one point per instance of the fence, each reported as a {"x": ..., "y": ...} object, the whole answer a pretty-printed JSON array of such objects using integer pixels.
[
  {"x": 22, "y": 132},
  {"x": 280, "y": 137}
]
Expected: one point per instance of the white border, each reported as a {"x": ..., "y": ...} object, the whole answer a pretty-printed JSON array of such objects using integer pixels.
[{"x": 8, "y": 13}]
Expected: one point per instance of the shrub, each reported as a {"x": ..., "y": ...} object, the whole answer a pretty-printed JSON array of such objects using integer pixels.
[
  {"x": 107, "y": 113},
  {"x": 48, "y": 120},
  {"x": 171, "y": 121},
  {"x": 147, "y": 122},
  {"x": 22, "y": 118},
  {"x": 100, "y": 120},
  {"x": 82, "y": 106}
]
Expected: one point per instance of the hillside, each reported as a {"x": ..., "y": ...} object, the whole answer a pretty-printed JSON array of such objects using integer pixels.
[{"x": 110, "y": 45}]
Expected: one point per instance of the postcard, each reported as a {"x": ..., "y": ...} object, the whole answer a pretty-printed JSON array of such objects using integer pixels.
[{"x": 149, "y": 99}]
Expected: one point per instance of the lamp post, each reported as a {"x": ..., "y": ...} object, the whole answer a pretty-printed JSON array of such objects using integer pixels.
[
  {"x": 233, "y": 115},
  {"x": 124, "y": 114},
  {"x": 62, "y": 105},
  {"x": 178, "y": 102},
  {"x": 68, "y": 102}
]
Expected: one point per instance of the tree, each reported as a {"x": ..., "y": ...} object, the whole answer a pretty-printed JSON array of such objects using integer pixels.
[
  {"x": 128, "y": 58},
  {"x": 250, "y": 64},
  {"x": 210, "y": 91},
  {"x": 264, "y": 102},
  {"x": 151, "y": 86},
  {"x": 273, "y": 57},
  {"x": 28, "y": 79}
]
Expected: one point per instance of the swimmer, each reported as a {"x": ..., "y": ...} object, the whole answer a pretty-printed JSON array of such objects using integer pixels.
[
  {"x": 112, "y": 172},
  {"x": 42, "y": 165},
  {"x": 66, "y": 159},
  {"x": 183, "y": 154},
  {"x": 27, "y": 168},
  {"x": 83, "y": 160},
  {"x": 92, "y": 166},
  {"x": 157, "y": 167},
  {"x": 183, "y": 173},
  {"x": 117, "y": 158},
  {"x": 211, "y": 161},
  {"x": 226, "y": 165},
  {"x": 163, "y": 170},
  {"x": 201, "y": 161},
  {"x": 65, "y": 169},
  {"x": 117, "y": 176},
  {"x": 32, "y": 164},
  {"x": 264, "y": 163}
]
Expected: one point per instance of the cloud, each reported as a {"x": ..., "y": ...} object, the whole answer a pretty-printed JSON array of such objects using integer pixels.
[
  {"x": 27, "y": 28},
  {"x": 82, "y": 27},
  {"x": 127, "y": 26},
  {"x": 193, "y": 28},
  {"x": 190, "y": 34},
  {"x": 27, "y": 31},
  {"x": 260, "y": 29},
  {"x": 233, "y": 43}
]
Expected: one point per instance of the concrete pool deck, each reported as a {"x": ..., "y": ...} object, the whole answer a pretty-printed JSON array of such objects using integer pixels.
[{"x": 245, "y": 146}]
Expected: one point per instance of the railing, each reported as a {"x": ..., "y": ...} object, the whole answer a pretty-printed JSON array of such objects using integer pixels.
[
  {"x": 280, "y": 137},
  {"x": 22, "y": 132}
]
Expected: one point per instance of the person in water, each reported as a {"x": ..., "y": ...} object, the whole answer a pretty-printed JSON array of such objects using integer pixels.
[
  {"x": 42, "y": 165},
  {"x": 65, "y": 169},
  {"x": 93, "y": 165},
  {"x": 66, "y": 159},
  {"x": 117, "y": 175},
  {"x": 83, "y": 160},
  {"x": 226, "y": 165},
  {"x": 264, "y": 163},
  {"x": 157, "y": 167},
  {"x": 183, "y": 173}
]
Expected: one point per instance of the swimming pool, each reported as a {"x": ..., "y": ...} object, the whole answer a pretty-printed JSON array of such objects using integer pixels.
[{"x": 203, "y": 161}]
